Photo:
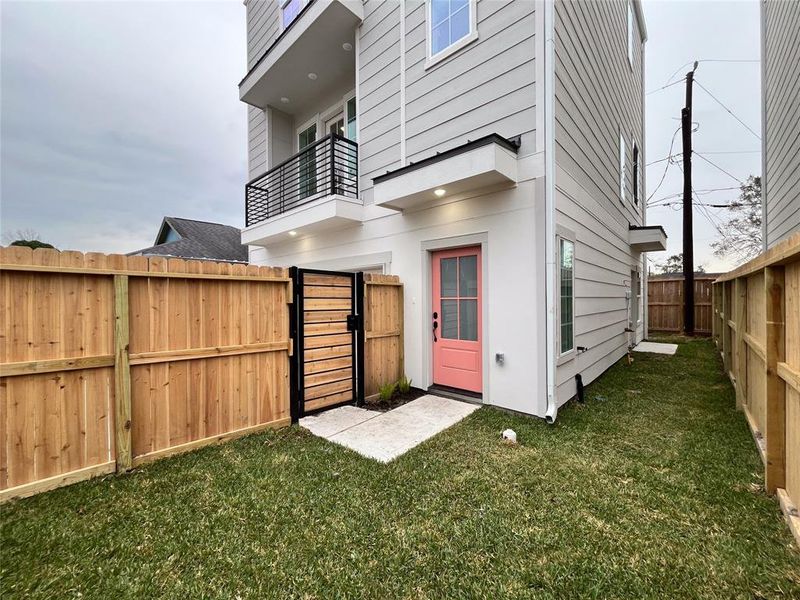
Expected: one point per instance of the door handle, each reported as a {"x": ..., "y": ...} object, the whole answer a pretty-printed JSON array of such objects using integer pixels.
[{"x": 435, "y": 326}]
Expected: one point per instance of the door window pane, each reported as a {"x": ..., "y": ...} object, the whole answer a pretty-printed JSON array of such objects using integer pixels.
[
  {"x": 449, "y": 277},
  {"x": 468, "y": 276},
  {"x": 450, "y": 319},
  {"x": 468, "y": 320}
]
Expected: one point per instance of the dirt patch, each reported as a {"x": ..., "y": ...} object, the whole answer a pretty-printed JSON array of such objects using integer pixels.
[{"x": 398, "y": 399}]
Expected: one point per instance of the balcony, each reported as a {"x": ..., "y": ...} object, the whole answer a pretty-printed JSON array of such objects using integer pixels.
[
  {"x": 312, "y": 57},
  {"x": 315, "y": 188}
]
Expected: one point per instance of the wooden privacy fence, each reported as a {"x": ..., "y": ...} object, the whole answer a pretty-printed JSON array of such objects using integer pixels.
[
  {"x": 757, "y": 329},
  {"x": 665, "y": 303},
  {"x": 110, "y": 361},
  {"x": 383, "y": 331}
]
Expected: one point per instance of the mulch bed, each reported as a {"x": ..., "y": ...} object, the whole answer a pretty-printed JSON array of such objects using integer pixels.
[{"x": 397, "y": 400}]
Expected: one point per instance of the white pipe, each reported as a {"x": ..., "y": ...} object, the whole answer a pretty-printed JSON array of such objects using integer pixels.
[{"x": 550, "y": 209}]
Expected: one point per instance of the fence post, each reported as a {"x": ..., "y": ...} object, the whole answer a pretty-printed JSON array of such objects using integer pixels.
[
  {"x": 774, "y": 347},
  {"x": 740, "y": 366},
  {"x": 714, "y": 313},
  {"x": 726, "y": 330},
  {"x": 122, "y": 374}
]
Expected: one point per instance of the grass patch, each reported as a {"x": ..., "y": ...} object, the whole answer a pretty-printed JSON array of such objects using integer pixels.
[{"x": 654, "y": 491}]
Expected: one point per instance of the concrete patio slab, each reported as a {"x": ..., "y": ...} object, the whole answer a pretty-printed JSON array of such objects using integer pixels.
[
  {"x": 331, "y": 422},
  {"x": 656, "y": 348},
  {"x": 385, "y": 436}
]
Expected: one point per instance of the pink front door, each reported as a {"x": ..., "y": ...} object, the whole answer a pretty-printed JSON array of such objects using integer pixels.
[{"x": 456, "y": 321}]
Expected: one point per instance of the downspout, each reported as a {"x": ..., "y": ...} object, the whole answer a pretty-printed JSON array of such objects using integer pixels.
[{"x": 550, "y": 208}]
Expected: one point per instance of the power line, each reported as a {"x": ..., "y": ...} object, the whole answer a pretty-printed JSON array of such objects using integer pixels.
[
  {"x": 663, "y": 87},
  {"x": 731, "y": 60},
  {"x": 699, "y": 192},
  {"x": 719, "y": 168},
  {"x": 718, "y": 101},
  {"x": 664, "y": 175},
  {"x": 731, "y": 151}
]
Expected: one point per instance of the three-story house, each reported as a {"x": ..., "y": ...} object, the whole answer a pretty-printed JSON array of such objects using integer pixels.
[{"x": 488, "y": 152}]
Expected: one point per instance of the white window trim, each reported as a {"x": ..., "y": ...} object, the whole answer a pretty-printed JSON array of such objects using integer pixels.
[
  {"x": 636, "y": 169},
  {"x": 321, "y": 117},
  {"x": 623, "y": 167},
  {"x": 630, "y": 21},
  {"x": 312, "y": 121},
  {"x": 433, "y": 59},
  {"x": 565, "y": 234}
]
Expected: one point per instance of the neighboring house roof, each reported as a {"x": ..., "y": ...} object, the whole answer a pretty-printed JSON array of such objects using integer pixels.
[{"x": 186, "y": 238}]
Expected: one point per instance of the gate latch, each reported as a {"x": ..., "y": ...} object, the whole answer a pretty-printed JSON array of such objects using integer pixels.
[{"x": 352, "y": 322}]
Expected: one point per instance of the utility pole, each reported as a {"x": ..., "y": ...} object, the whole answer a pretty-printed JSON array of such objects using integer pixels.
[{"x": 688, "y": 228}]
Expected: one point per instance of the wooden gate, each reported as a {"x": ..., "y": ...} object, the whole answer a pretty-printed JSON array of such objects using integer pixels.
[{"x": 328, "y": 340}]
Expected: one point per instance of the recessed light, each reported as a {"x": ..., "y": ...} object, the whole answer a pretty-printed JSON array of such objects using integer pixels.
[
  {"x": 285, "y": 100},
  {"x": 347, "y": 46},
  {"x": 292, "y": 233},
  {"x": 312, "y": 76},
  {"x": 439, "y": 192}
]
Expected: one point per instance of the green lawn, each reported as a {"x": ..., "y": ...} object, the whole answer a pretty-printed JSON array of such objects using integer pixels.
[{"x": 653, "y": 489}]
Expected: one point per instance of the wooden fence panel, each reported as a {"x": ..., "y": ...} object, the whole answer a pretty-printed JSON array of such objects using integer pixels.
[
  {"x": 383, "y": 331},
  {"x": 791, "y": 375},
  {"x": 208, "y": 346},
  {"x": 665, "y": 304},
  {"x": 767, "y": 324}
]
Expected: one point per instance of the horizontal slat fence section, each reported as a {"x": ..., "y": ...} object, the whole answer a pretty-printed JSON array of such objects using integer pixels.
[
  {"x": 665, "y": 304},
  {"x": 196, "y": 352},
  {"x": 383, "y": 331},
  {"x": 756, "y": 327}
]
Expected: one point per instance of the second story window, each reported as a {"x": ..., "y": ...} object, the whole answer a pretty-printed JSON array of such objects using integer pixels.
[
  {"x": 451, "y": 24},
  {"x": 290, "y": 9}
]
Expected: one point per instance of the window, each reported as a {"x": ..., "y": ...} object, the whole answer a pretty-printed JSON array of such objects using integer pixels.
[
  {"x": 451, "y": 24},
  {"x": 566, "y": 268},
  {"x": 630, "y": 33},
  {"x": 290, "y": 9},
  {"x": 350, "y": 116},
  {"x": 636, "y": 174},
  {"x": 459, "y": 297},
  {"x": 622, "y": 167}
]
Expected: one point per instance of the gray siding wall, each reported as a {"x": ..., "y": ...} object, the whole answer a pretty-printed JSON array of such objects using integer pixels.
[
  {"x": 597, "y": 95},
  {"x": 379, "y": 90},
  {"x": 486, "y": 87},
  {"x": 781, "y": 140},
  {"x": 263, "y": 27}
]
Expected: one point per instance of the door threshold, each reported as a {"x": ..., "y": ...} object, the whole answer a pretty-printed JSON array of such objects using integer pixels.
[{"x": 456, "y": 394}]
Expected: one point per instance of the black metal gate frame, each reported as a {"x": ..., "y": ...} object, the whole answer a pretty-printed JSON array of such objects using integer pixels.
[{"x": 355, "y": 325}]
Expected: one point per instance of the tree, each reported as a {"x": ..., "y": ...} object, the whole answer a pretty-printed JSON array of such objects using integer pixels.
[
  {"x": 31, "y": 244},
  {"x": 674, "y": 264},
  {"x": 741, "y": 234},
  {"x": 25, "y": 237}
]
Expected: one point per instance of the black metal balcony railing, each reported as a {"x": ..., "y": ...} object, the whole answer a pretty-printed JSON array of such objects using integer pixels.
[{"x": 327, "y": 167}]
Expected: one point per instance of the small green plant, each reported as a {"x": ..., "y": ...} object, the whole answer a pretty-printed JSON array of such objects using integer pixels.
[
  {"x": 386, "y": 391},
  {"x": 404, "y": 385}
]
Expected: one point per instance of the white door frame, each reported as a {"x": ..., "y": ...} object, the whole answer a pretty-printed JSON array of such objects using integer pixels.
[{"x": 427, "y": 247}]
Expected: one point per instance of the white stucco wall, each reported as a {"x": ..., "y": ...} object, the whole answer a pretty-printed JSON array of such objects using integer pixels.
[{"x": 509, "y": 225}]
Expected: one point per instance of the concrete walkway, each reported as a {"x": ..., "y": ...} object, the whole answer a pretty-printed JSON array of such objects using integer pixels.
[
  {"x": 655, "y": 348},
  {"x": 384, "y": 436}
]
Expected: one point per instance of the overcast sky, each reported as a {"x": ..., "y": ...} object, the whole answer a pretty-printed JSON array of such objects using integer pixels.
[{"x": 114, "y": 114}]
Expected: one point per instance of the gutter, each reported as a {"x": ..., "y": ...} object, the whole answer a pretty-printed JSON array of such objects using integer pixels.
[{"x": 550, "y": 208}]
